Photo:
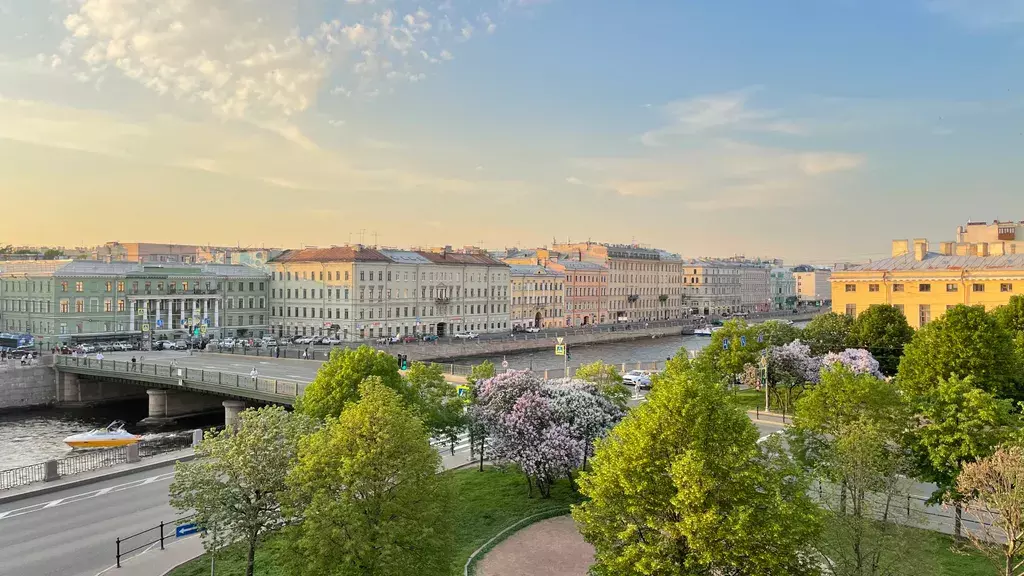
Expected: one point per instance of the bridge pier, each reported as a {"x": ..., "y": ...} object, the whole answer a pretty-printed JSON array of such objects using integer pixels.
[
  {"x": 74, "y": 391},
  {"x": 231, "y": 410},
  {"x": 166, "y": 406}
]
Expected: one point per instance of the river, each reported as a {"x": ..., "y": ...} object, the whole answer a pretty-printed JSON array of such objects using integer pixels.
[{"x": 36, "y": 435}]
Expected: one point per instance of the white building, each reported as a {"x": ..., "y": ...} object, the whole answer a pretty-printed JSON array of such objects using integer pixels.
[
  {"x": 357, "y": 292},
  {"x": 783, "y": 287}
]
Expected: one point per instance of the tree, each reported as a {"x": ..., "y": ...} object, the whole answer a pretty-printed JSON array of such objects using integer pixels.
[
  {"x": 855, "y": 360},
  {"x": 480, "y": 372},
  {"x": 681, "y": 486},
  {"x": 367, "y": 489},
  {"x": 995, "y": 487},
  {"x": 53, "y": 254},
  {"x": 1011, "y": 315},
  {"x": 733, "y": 346},
  {"x": 587, "y": 413},
  {"x": 337, "y": 382},
  {"x": 608, "y": 381},
  {"x": 476, "y": 427},
  {"x": 957, "y": 424},
  {"x": 775, "y": 333},
  {"x": 237, "y": 481},
  {"x": 966, "y": 341},
  {"x": 882, "y": 330},
  {"x": 828, "y": 333},
  {"x": 438, "y": 403},
  {"x": 792, "y": 366}
]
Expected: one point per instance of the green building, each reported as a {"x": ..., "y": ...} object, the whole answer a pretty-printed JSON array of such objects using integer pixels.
[{"x": 72, "y": 302}]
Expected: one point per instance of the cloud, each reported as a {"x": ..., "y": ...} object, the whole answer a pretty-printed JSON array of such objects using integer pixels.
[
  {"x": 336, "y": 123},
  {"x": 718, "y": 113},
  {"x": 980, "y": 14},
  {"x": 719, "y": 175}
]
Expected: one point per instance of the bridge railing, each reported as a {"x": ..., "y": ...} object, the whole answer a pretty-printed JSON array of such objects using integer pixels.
[{"x": 226, "y": 380}]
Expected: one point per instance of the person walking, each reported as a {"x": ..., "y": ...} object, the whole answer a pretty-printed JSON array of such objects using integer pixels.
[
  {"x": 253, "y": 375},
  {"x": 133, "y": 363}
]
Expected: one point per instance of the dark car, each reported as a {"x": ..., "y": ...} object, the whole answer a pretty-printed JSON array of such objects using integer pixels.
[{"x": 429, "y": 337}]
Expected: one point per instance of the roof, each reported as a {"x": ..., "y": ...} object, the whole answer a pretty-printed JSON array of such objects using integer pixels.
[
  {"x": 32, "y": 267},
  {"x": 532, "y": 270},
  {"x": 461, "y": 259},
  {"x": 577, "y": 265},
  {"x": 97, "y": 268},
  {"x": 936, "y": 261},
  {"x": 333, "y": 254},
  {"x": 405, "y": 257},
  {"x": 79, "y": 268}
]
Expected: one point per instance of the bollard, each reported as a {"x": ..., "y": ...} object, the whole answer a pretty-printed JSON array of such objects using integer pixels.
[
  {"x": 197, "y": 437},
  {"x": 133, "y": 453},
  {"x": 50, "y": 471}
]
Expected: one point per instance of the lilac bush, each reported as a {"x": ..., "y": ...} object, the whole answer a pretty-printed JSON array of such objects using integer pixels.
[
  {"x": 856, "y": 360},
  {"x": 793, "y": 364}
]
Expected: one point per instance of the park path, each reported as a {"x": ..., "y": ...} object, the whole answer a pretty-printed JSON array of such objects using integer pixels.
[{"x": 551, "y": 547}]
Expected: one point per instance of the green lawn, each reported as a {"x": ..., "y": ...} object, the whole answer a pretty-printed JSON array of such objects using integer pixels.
[
  {"x": 748, "y": 399},
  {"x": 488, "y": 502}
]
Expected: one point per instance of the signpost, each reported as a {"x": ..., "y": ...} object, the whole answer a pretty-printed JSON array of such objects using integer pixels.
[
  {"x": 186, "y": 530},
  {"x": 145, "y": 327},
  {"x": 562, "y": 350}
]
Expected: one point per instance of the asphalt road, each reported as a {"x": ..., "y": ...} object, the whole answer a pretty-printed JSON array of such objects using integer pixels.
[{"x": 279, "y": 368}]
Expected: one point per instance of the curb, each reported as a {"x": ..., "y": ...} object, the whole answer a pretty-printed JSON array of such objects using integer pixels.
[{"x": 92, "y": 480}]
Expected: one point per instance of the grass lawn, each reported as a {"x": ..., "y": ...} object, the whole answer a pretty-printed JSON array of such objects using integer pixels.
[
  {"x": 488, "y": 502},
  {"x": 748, "y": 399}
]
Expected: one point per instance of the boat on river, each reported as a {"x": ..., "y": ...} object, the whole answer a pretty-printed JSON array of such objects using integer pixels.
[
  {"x": 113, "y": 435},
  {"x": 703, "y": 331}
]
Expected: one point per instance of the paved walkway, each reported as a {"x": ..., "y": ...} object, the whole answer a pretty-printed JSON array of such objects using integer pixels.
[
  {"x": 157, "y": 562},
  {"x": 551, "y": 547}
]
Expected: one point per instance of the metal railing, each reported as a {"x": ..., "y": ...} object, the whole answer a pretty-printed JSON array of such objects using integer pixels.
[
  {"x": 92, "y": 460},
  {"x": 148, "y": 537},
  {"x": 14, "y": 477}
]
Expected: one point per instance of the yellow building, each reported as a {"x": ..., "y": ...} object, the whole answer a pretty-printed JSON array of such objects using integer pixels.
[
  {"x": 538, "y": 297},
  {"x": 925, "y": 284}
]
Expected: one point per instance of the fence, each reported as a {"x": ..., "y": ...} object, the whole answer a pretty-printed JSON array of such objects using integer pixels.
[
  {"x": 148, "y": 537},
  {"x": 88, "y": 461}
]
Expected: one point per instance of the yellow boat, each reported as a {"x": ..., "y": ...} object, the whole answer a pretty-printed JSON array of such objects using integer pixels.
[{"x": 109, "y": 437}]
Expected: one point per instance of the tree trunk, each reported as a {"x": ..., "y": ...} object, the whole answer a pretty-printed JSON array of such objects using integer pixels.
[
  {"x": 483, "y": 441},
  {"x": 957, "y": 520},
  {"x": 472, "y": 444},
  {"x": 529, "y": 486},
  {"x": 250, "y": 565}
]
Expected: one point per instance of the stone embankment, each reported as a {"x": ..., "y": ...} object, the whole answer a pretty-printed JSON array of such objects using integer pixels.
[{"x": 26, "y": 386}]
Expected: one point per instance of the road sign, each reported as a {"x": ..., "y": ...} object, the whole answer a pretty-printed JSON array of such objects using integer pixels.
[
  {"x": 206, "y": 321},
  {"x": 560, "y": 350},
  {"x": 145, "y": 327},
  {"x": 185, "y": 530},
  {"x": 188, "y": 322},
  {"x": 560, "y": 339},
  {"x": 160, "y": 323},
  {"x": 504, "y": 363},
  {"x": 462, "y": 391},
  {"x": 202, "y": 330}
]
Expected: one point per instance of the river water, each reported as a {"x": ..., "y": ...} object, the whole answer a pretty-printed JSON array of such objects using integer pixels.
[{"x": 33, "y": 436}]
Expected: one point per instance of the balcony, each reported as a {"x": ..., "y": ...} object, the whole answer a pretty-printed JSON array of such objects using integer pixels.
[
  {"x": 663, "y": 297},
  {"x": 633, "y": 298},
  {"x": 442, "y": 300}
]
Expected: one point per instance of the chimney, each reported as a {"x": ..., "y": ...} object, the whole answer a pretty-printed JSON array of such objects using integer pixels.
[
  {"x": 981, "y": 249},
  {"x": 997, "y": 248},
  {"x": 963, "y": 249},
  {"x": 900, "y": 248},
  {"x": 920, "y": 249},
  {"x": 946, "y": 248}
]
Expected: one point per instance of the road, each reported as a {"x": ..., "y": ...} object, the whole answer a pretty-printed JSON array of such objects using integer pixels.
[{"x": 279, "y": 368}]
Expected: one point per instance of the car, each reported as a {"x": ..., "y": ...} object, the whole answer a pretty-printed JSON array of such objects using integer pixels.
[
  {"x": 180, "y": 345},
  {"x": 633, "y": 376},
  {"x": 533, "y": 329},
  {"x": 466, "y": 335},
  {"x": 429, "y": 337},
  {"x": 226, "y": 344},
  {"x": 269, "y": 342},
  {"x": 409, "y": 339}
]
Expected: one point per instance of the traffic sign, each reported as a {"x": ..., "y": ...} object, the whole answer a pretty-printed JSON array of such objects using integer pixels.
[
  {"x": 160, "y": 323},
  {"x": 560, "y": 339},
  {"x": 462, "y": 391},
  {"x": 185, "y": 530},
  {"x": 202, "y": 330},
  {"x": 560, "y": 350},
  {"x": 188, "y": 322},
  {"x": 145, "y": 327},
  {"x": 206, "y": 321},
  {"x": 504, "y": 363}
]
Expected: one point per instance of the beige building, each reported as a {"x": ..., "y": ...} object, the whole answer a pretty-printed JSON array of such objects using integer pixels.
[
  {"x": 537, "y": 296},
  {"x": 356, "y": 292},
  {"x": 644, "y": 284},
  {"x": 813, "y": 284},
  {"x": 712, "y": 287},
  {"x": 1009, "y": 234},
  {"x": 586, "y": 291},
  {"x": 924, "y": 284}
]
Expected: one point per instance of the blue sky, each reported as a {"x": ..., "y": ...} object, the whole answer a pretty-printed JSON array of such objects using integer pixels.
[{"x": 809, "y": 130}]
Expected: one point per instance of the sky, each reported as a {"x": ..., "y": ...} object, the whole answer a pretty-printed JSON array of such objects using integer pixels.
[{"x": 810, "y": 130}]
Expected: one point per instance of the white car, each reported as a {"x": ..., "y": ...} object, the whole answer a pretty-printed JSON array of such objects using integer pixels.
[
  {"x": 633, "y": 377},
  {"x": 532, "y": 329},
  {"x": 466, "y": 335},
  {"x": 226, "y": 344}
]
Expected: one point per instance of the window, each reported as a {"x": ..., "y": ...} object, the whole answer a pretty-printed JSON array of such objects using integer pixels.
[
  {"x": 851, "y": 310},
  {"x": 925, "y": 314},
  {"x": 872, "y": 287},
  {"x": 79, "y": 306},
  {"x": 1006, "y": 287},
  {"x": 977, "y": 287},
  {"x": 108, "y": 305},
  {"x": 951, "y": 288},
  {"x": 110, "y": 286},
  {"x": 63, "y": 286},
  {"x": 261, "y": 286},
  {"x": 120, "y": 305},
  {"x": 924, "y": 287},
  {"x": 79, "y": 287},
  {"x": 64, "y": 305},
  {"x": 897, "y": 287}
]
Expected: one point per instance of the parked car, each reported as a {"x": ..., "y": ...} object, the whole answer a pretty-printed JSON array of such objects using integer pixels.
[
  {"x": 533, "y": 329},
  {"x": 332, "y": 340},
  {"x": 269, "y": 342},
  {"x": 466, "y": 335},
  {"x": 226, "y": 343},
  {"x": 409, "y": 339},
  {"x": 180, "y": 345},
  {"x": 633, "y": 376},
  {"x": 429, "y": 337}
]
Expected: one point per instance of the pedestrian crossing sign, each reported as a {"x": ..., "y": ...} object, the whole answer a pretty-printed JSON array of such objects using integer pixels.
[
  {"x": 560, "y": 350},
  {"x": 145, "y": 327},
  {"x": 463, "y": 391}
]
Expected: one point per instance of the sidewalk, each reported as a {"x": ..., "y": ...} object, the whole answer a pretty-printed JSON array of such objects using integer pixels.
[
  {"x": 157, "y": 562},
  {"x": 770, "y": 417},
  {"x": 116, "y": 471}
]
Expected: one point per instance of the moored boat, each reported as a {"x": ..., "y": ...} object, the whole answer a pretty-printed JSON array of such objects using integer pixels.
[{"x": 113, "y": 435}]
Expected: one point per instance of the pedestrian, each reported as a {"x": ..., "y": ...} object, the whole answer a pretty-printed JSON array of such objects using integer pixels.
[
  {"x": 254, "y": 375},
  {"x": 133, "y": 363},
  {"x": 305, "y": 354},
  {"x": 99, "y": 356}
]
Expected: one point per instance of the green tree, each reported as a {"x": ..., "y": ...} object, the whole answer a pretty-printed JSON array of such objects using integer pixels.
[
  {"x": 367, "y": 489},
  {"x": 477, "y": 430},
  {"x": 337, "y": 382},
  {"x": 439, "y": 404},
  {"x": 53, "y": 254},
  {"x": 775, "y": 333},
  {"x": 1011, "y": 315},
  {"x": 238, "y": 479},
  {"x": 957, "y": 423},
  {"x": 828, "y": 333},
  {"x": 882, "y": 330},
  {"x": 681, "y": 486},
  {"x": 479, "y": 372},
  {"x": 965, "y": 341},
  {"x": 995, "y": 485},
  {"x": 608, "y": 381},
  {"x": 732, "y": 347}
]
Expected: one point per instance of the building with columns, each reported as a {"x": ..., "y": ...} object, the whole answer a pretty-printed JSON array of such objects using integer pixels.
[
  {"x": 537, "y": 296},
  {"x": 70, "y": 302},
  {"x": 357, "y": 292}
]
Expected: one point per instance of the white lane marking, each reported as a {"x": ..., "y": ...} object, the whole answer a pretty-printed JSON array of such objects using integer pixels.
[{"x": 83, "y": 496}]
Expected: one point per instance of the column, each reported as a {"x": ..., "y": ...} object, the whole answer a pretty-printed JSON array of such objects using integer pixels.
[
  {"x": 182, "y": 309},
  {"x": 159, "y": 313},
  {"x": 216, "y": 313},
  {"x": 131, "y": 318},
  {"x": 157, "y": 403},
  {"x": 206, "y": 305},
  {"x": 231, "y": 410},
  {"x": 195, "y": 308}
]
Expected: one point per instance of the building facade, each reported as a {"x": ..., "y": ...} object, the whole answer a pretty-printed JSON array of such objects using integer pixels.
[
  {"x": 1008, "y": 233},
  {"x": 356, "y": 293},
  {"x": 537, "y": 296},
  {"x": 69, "y": 302},
  {"x": 783, "y": 289},
  {"x": 925, "y": 284},
  {"x": 644, "y": 284},
  {"x": 813, "y": 285},
  {"x": 712, "y": 287},
  {"x": 586, "y": 291}
]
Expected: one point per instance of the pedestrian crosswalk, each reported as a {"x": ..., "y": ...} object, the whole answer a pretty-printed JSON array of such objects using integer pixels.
[{"x": 444, "y": 446}]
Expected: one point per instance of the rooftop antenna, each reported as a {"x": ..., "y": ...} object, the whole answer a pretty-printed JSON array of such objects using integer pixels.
[
  {"x": 375, "y": 239},
  {"x": 362, "y": 234}
]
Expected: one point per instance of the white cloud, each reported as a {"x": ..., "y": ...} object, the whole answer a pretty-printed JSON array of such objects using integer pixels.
[
  {"x": 717, "y": 113},
  {"x": 574, "y": 181},
  {"x": 980, "y": 13},
  {"x": 336, "y": 123}
]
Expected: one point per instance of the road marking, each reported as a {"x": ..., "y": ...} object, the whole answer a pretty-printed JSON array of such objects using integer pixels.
[{"x": 83, "y": 496}]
